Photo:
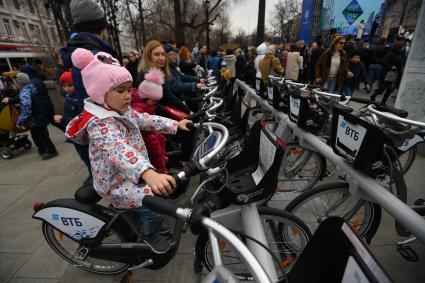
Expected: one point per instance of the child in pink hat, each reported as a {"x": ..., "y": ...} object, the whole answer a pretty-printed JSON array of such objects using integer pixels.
[
  {"x": 122, "y": 172},
  {"x": 144, "y": 100}
]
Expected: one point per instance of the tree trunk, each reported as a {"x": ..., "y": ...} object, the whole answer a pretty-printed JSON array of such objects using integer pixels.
[
  {"x": 142, "y": 23},
  {"x": 261, "y": 19},
  {"x": 179, "y": 29},
  {"x": 132, "y": 24}
]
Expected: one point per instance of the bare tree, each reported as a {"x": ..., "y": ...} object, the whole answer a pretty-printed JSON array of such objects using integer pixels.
[
  {"x": 188, "y": 14},
  {"x": 284, "y": 19},
  {"x": 241, "y": 38},
  {"x": 221, "y": 32},
  {"x": 61, "y": 13}
]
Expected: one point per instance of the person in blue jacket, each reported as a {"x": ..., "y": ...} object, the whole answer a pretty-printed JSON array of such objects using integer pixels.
[
  {"x": 35, "y": 109},
  {"x": 90, "y": 26},
  {"x": 181, "y": 85}
]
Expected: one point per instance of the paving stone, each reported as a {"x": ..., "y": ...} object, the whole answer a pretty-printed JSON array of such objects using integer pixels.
[
  {"x": 10, "y": 263},
  {"x": 43, "y": 263},
  {"x": 74, "y": 274},
  {"x": 397, "y": 267},
  {"x": 183, "y": 269},
  {"x": 32, "y": 280},
  {"x": 164, "y": 274},
  {"x": 20, "y": 235},
  {"x": 10, "y": 194}
]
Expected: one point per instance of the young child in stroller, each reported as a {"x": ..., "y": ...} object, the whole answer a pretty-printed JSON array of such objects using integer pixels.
[{"x": 9, "y": 138}]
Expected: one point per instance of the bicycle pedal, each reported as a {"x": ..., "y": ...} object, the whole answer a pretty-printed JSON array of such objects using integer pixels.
[
  {"x": 81, "y": 254},
  {"x": 408, "y": 253}
]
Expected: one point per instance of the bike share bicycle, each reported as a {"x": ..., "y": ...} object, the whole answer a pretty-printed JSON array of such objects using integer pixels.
[
  {"x": 106, "y": 240},
  {"x": 335, "y": 198},
  {"x": 360, "y": 186}
]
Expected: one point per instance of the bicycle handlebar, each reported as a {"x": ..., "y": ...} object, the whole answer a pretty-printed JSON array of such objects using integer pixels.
[
  {"x": 166, "y": 207},
  {"x": 299, "y": 85},
  {"x": 372, "y": 108},
  {"x": 160, "y": 205},
  {"x": 211, "y": 91},
  {"x": 217, "y": 105},
  {"x": 327, "y": 94}
]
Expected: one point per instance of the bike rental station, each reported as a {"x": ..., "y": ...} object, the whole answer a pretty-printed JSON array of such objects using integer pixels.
[{"x": 340, "y": 166}]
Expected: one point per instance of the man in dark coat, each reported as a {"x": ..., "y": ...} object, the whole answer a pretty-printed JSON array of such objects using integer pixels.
[{"x": 90, "y": 26}]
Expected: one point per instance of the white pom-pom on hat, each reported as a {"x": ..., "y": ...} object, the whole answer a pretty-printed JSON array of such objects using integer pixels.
[
  {"x": 81, "y": 58},
  {"x": 155, "y": 75},
  {"x": 151, "y": 86}
]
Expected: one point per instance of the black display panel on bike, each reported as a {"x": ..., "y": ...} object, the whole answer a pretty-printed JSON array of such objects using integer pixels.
[{"x": 207, "y": 145}]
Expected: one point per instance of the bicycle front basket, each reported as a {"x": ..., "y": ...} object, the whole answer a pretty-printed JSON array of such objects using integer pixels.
[
  {"x": 358, "y": 141},
  {"x": 308, "y": 116}
]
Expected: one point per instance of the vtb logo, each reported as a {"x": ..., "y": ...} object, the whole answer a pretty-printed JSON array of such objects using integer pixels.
[{"x": 67, "y": 221}]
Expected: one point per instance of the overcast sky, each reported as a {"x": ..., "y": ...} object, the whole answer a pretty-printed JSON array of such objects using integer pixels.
[{"x": 244, "y": 15}]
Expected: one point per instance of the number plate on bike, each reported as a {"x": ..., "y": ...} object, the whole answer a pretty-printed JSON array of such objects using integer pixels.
[
  {"x": 207, "y": 145},
  {"x": 294, "y": 109},
  {"x": 349, "y": 138},
  {"x": 270, "y": 93},
  {"x": 357, "y": 140}
]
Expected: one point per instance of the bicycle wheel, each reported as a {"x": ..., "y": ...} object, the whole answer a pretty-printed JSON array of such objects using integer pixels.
[
  {"x": 286, "y": 237},
  {"x": 67, "y": 248},
  {"x": 301, "y": 169},
  {"x": 334, "y": 199},
  {"x": 407, "y": 158}
]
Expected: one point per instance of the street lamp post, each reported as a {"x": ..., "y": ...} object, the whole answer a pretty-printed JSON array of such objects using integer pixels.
[{"x": 207, "y": 16}]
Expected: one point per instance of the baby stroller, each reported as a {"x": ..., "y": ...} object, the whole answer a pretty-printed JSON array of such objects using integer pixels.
[{"x": 9, "y": 138}]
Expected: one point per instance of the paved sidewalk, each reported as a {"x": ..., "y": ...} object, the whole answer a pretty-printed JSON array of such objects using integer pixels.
[{"x": 25, "y": 256}]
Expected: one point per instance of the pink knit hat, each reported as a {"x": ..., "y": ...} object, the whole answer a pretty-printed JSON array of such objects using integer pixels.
[
  {"x": 151, "y": 87},
  {"x": 100, "y": 72}
]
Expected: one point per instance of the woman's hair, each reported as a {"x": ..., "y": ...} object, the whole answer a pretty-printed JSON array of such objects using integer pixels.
[
  {"x": 252, "y": 50},
  {"x": 146, "y": 58},
  {"x": 335, "y": 41},
  {"x": 295, "y": 48},
  {"x": 132, "y": 52},
  {"x": 230, "y": 51},
  {"x": 184, "y": 53}
]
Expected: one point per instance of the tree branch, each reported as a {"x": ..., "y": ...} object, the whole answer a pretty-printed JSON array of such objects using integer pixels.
[
  {"x": 167, "y": 24},
  {"x": 215, "y": 6}
]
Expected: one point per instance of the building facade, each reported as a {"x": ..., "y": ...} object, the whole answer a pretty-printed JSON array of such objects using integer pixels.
[{"x": 27, "y": 31}]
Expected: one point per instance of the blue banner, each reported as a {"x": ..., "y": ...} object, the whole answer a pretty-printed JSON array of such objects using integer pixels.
[{"x": 306, "y": 20}]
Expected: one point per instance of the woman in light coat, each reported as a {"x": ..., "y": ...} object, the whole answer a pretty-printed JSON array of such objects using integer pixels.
[
  {"x": 261, "y": 53},
  {"x": 294, "y": 63}
]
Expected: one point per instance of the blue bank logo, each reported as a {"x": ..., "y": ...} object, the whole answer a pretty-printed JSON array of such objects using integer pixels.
[
  {"x": 352, "y": 12},
  {"x": 56, "y": 217},
  {"x": 343, "y": 124}
]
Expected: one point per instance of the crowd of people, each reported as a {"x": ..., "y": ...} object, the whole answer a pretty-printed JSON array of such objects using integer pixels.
[{"x": 123, "y": 147}]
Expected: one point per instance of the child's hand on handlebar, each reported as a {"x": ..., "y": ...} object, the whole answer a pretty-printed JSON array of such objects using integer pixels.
[
  {"x": 200, "y": 86},
  {"x": 183, "y": 125},
  {"x": 161, "y": 184}
]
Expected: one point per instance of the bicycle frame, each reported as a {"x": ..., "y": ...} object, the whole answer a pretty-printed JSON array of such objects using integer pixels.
[{"x": 361, "y": 185}]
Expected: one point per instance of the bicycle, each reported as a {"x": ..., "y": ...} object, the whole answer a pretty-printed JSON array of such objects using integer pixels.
[
  {"x": 361, "y": 186},
  {"x": 335, "y": 199},
  {"x": 107, "y": 241}
]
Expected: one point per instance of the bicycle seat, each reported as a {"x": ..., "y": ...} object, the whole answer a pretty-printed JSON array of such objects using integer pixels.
[{"x": 87, "y": 195}]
